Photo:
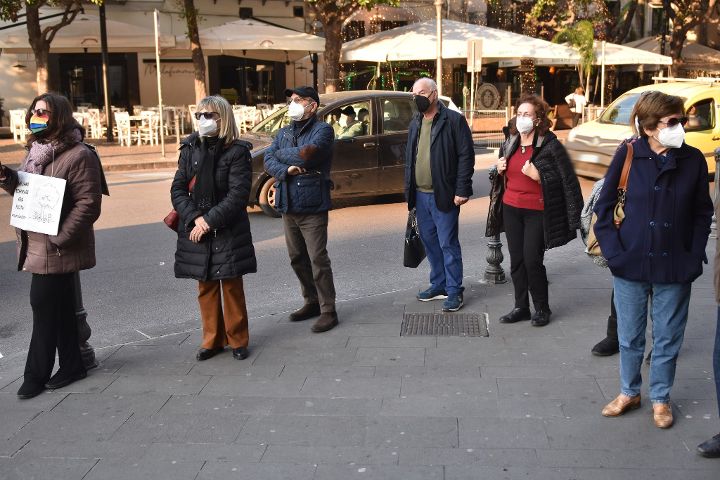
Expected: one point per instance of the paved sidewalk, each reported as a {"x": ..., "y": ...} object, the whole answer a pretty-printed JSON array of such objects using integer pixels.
[{"x": 362, "y": 402}]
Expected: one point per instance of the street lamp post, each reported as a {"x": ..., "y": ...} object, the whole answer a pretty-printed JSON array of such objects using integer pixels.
[{"x": 438, "y": 69}]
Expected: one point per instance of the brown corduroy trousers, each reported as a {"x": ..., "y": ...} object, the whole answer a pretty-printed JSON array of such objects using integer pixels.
[{"x": 224, "y": 321}]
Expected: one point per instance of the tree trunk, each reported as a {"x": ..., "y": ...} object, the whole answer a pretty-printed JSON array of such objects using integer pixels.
[
  {"x": 676, "y": 45},
  {"x": 527, "y": 77},
  {"x": 333, "y": 43},
  {"x": 40, "y": 47},
  {"x": 196, "y": 49}
]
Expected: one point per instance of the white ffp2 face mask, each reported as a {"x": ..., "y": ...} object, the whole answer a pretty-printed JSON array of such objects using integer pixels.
[
  {"x": 672, "y": 137},
  {"x": 524, "y": 124},
  {"x": 296, "y": 111},
  {"x": 207, "y": 127}
]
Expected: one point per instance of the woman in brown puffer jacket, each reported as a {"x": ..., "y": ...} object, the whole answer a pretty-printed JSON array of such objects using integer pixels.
[{"x": 55, "y": 149}]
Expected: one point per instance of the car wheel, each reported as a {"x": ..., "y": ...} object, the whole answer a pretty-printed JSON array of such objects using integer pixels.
[{"x": 266, "y": 199}]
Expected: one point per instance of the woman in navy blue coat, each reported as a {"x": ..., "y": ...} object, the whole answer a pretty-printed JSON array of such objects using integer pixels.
[{"x": 658, "y": 249}]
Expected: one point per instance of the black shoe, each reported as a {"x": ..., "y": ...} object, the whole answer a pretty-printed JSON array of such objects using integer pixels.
[
  {"x": 517, "y": 314},
  {"x": 205, "y": 353},
  {"x": 307, "y": 311},
  {"x": 29, "y": 390},
  {"x": 240, "y": 353},
  {"x": 710, "y": 448},
  {"x": 62, "y": 379},
  {"x": 540, "y": 318},
  {"x": 327, "y": 321},
  {"x": 606, "y": 347}
]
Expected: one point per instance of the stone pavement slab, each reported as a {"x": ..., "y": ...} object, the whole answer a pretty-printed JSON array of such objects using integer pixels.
[{"x": 362, "y": 402}]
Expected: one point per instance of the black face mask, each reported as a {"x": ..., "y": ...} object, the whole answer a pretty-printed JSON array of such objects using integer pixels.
[{"x": 422, "y": 103}]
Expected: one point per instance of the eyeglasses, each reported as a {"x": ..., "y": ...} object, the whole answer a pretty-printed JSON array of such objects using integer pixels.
[
  {"x": 300, "y": 100},
  {"x": 674, "y": 121},
  {"x": 207, "y": 115},
  {"x": 40, "y": 112}
]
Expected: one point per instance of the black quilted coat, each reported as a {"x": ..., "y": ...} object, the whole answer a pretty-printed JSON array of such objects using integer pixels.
[
  {"x": 227, "y": 250},
  {"x": 561, "y": 191}
]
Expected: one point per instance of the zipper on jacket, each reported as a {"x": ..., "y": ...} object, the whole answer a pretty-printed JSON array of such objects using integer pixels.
[{"x": 58, "y": 251}]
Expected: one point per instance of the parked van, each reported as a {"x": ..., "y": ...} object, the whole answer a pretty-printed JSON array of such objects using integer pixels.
[{"x": 592, "y": 145}]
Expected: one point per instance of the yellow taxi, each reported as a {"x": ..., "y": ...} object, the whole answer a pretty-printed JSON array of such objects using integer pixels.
[{"x": 591, "y": 145}]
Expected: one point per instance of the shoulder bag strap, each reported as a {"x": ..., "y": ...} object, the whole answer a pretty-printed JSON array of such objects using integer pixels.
[{"x": 626, "y": 168}]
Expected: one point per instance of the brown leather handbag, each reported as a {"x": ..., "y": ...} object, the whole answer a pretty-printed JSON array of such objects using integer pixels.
[
  {"x": 172, "y": 219},
  {"x": 593, "y": 246}
]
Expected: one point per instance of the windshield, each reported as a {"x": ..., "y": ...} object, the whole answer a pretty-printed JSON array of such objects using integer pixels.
[
  {"x": 618, "y": 113},
  {"x": 273, "y": 123}
]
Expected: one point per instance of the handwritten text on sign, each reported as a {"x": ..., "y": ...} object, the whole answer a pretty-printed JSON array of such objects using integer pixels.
[{"x": 37, "y": 203}]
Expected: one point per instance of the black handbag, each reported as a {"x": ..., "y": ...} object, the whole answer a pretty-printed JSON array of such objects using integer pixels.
[{"x": 414, "y": 251}]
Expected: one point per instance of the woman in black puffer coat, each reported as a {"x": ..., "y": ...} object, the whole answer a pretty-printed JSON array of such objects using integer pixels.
[
  {"x": 210, "y": 192},
  {"x": 536, "y": 200}
]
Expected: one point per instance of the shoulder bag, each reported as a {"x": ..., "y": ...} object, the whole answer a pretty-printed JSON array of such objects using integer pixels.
[
  {"x": 593, "y": 246},
  {"x": 172, "y": 219}
]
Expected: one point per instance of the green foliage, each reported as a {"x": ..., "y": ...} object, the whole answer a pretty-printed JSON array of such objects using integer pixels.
[
  {"x": 352, "y": 5},
  {"x": 581, "y": 36},
  {"x": 10, "y": 9}
]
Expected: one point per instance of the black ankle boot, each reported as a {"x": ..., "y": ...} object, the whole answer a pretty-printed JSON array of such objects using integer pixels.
[{"x": 609, "y": 345}]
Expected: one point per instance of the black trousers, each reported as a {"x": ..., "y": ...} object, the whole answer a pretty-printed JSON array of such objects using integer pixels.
[
  {"x": 526, "y": 244},
  {"x": 52, "y": 298}
]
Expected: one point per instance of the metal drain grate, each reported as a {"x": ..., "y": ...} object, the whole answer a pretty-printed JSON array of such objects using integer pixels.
[{"x": 444, "y": 325}]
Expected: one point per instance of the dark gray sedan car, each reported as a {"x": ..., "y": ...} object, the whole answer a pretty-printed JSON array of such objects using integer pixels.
[{"x": 369, "y": 157}]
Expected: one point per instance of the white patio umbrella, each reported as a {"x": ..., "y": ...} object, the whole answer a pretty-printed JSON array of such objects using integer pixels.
[
  {"x": 417, "y": 42},
  {"x": 83, "y": 34},
  {"x": 693, "y": 54},
  {"x": 255, "y": 39},
  {"x": 606, "y": 53}
]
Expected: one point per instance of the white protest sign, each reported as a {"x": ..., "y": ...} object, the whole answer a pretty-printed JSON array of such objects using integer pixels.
[{"x": 37, "y": 203}]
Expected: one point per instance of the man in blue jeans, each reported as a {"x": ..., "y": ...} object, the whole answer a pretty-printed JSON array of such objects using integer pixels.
[
  {"x": 711, "y": 448},
  {"x": 439, "y": 163}
]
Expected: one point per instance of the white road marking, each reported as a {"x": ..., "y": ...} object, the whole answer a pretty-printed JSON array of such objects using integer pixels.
[{"x": 144, "y": 335}]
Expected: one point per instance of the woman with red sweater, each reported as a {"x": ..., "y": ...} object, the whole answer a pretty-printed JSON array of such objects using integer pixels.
[{"x": 540, "y": 204}]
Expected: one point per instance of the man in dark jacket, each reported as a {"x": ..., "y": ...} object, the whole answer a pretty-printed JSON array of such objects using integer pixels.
[
  {"x": 439, "y": 163},
  {"x": 299, "y": 159}
]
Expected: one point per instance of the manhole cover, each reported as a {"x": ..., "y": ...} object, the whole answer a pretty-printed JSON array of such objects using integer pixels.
[{"x": 444, "y": 325}]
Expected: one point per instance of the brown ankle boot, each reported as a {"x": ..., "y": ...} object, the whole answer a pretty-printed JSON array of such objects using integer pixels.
[
  {"x": 309, "y": 310},
  {"x": 327, "y": 321}
]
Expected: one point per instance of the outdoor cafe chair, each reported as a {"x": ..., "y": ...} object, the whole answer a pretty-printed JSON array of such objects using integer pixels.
[
  {"x": 192, "y": 109},
  {"x": 123, "y": 129},
  {"x": 17, "y": 125},
  {"x": 94, "y": 123},
  {"x": 149, "y": 128}
]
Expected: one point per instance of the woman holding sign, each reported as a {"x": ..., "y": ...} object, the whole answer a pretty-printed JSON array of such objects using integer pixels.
[{"x": 55, "y": 236}]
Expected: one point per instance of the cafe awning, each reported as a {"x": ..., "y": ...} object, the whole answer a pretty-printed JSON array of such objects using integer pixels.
[
  {"x": 83, "y": 35},
  {"x": 255, "y": 39}
]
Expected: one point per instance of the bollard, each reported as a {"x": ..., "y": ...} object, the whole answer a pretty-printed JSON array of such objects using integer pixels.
[
  {"x": 716, "y": 189},
  {"x": 494, "y": 272}
]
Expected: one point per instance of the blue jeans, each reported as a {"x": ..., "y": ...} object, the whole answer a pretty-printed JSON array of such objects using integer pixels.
[
  {"x": 439, "y": 235},
  {"x": 669, "y": 314},
  {"x": 716, "y": 359}
]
